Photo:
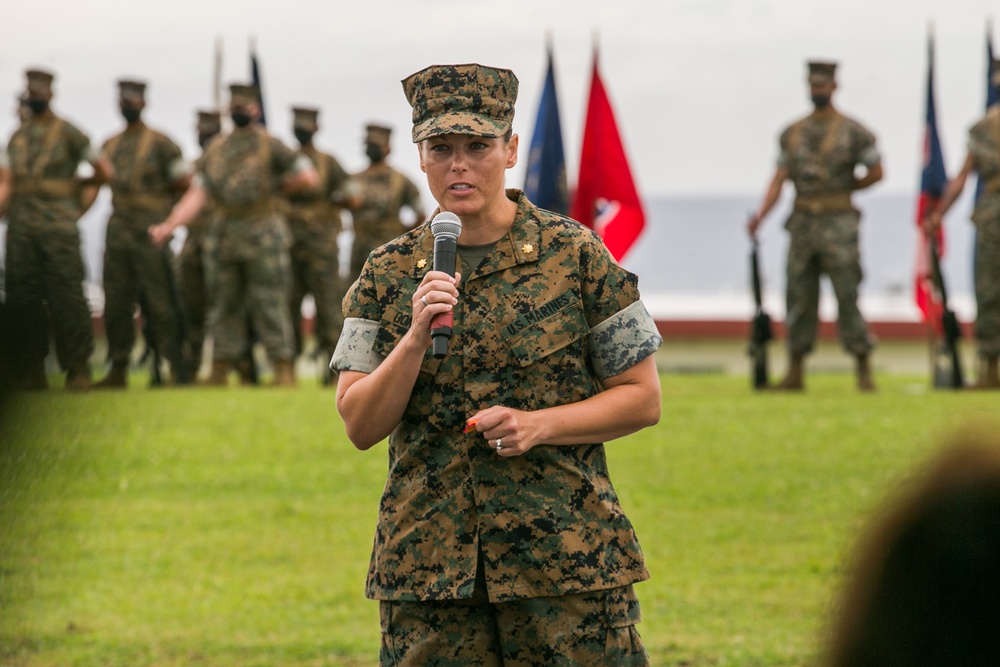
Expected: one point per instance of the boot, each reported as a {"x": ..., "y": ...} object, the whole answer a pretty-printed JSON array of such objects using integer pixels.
[
  {"x": 864, "y": 372},
  {"x": 219, "y": 377},
  {"x": 284, "y": 373},
  {"x": 989, "y": 374},
  {"x": 116, "y": 377},
  {"x": 78, "y": 377},
  {"x": 793, "y": 379}
]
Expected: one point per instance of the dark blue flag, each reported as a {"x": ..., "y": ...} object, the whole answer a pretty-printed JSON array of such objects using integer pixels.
[
  {"x": 255, "y": 76},
  {"x": 545, "y": 180}
]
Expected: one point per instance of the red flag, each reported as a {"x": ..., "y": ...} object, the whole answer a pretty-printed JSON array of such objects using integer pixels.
[
  {"x": 932, "y": 184},
  {"x": 606, "y": 199}
]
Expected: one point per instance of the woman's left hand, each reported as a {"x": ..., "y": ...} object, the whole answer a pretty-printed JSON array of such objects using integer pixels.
[{"x": 508, "y": 431}]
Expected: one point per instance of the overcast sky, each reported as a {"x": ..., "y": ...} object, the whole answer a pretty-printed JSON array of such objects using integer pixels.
[{"x": 700, "y": 88}]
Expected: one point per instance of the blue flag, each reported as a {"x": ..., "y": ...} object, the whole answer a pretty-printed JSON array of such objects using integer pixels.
[
  {"x": 255, "y": 76},
  {"x": 545, "y": 180}
]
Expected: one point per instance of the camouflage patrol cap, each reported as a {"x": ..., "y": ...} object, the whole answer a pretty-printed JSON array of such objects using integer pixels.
[
  {"x": 132, "y": 91},
  {"x": 461, "y": 99},
  {"x": 377, "y": 134},
  {"x": 821, "y": 72},
  {"x": 305, "y": 118},
  {"x": 241, "y": 94},
  {"x": 39, "y": 83},
  {"x": 209, "y": 122}
]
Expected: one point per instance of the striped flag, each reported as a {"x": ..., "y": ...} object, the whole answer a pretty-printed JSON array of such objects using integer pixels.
[
  {"x": 932, "y": 184},
  {"x": 606, "y": 198}
]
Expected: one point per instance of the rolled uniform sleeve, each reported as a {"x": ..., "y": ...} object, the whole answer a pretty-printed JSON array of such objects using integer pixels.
[
  {"x": 355, "y": 349},
  {"x": 623, "y": 340},
  {"x": 622, "y": 333}
]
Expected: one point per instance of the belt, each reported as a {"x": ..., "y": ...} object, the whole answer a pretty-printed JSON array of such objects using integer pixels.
[
  {"x": 263, "y": 207},
  {"x": 142, "y": 201},
  {"x": 47, "y": 188},
  {"x": 834, "y": 202}
]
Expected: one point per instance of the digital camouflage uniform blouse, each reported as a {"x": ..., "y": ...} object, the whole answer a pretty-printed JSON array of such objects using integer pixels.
[{"x": 546, "y": 316}]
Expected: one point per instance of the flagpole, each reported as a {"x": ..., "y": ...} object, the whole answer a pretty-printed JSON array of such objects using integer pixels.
[{"x": 217, "y": 75}]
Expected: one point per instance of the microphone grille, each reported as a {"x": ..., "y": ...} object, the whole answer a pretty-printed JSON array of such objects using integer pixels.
[{"x": 446, "y": 223}]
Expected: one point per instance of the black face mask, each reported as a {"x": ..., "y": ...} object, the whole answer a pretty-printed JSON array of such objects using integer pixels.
[
  {"x": 821, "y": 101},
  {"x": 375, "y": 152},
  {"x": 38, "y": 107},
  {"x": 130, "y": 115},
  {"x": 303, "y": 136},
  {"x": 241, "y": 118}
]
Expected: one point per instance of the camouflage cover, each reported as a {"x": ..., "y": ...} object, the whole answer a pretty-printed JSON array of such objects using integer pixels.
[
  {"x": 461, "y": 99},
  {"x": 549, "y": 522}
]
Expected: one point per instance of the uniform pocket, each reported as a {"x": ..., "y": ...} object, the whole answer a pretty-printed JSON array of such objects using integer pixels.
[{"x": 551, "y": 351}]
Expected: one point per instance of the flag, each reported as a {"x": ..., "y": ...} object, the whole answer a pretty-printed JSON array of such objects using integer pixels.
[
  {"x": 217, "y": 75},
  {"x": 606, "y": 199},
  {"x": 932, "y": 184},
  {"x": 255, "y": 76},
  {"x": 992, "y": 94},
  {"x": 545, "y": 178}
]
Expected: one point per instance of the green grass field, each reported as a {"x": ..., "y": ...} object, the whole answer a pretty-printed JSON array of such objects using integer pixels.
[{"x": 233, "y": 527}]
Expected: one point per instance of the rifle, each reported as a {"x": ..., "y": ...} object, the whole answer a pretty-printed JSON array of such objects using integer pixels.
[
  {"x": 174, "y": 344},
  {"x": 760, "y": 327},
  {"x": 945, "y": 377}
]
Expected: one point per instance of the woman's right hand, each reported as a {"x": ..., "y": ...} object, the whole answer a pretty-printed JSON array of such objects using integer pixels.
[{"x": 437, "y": 294}]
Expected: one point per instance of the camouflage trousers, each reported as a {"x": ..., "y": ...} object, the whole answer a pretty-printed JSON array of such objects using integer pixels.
[
  {"x": 316, "y": 271},
  {"x": 141, "y": 274},
  {"x": 193, "y": 287},
  {"x": 596, "y": 628},
  {"x": 987, "y": 287},
  {"x": 257, "y": 287},
  {"x": 824, "y": 244},
  {"x": 44, "y": 284}
]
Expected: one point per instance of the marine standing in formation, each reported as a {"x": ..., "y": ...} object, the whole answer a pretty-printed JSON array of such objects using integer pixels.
[
  {"x": 819, "y": 154},
  {"x": 983, "y": 157},
  {"x": 43, "y": 197},
  {"x": 245, "y": 173},
  {"x": 379, "y": 194},
  {"x": 315, "y": 223},
  {"x": 194, "y": 262},
  {"x": 150, "y": 174}
]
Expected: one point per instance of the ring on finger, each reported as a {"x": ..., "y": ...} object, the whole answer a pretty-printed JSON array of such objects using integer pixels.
[
  {"x": 423, "y": 300},
  {"x": 499, "y": 444}
]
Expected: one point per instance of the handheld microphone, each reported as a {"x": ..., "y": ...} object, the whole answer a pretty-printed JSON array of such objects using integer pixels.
[{"x": 446, "y": 228}]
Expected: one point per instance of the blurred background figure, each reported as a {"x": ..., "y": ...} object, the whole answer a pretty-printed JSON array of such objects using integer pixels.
[
  {"x": 379, "y": 194},
  {"x": 194, "y": 261},
  {"x": 983, "y": 158},
  {"x": 925, "y": 589},
  {"x": 314, "y": 219},
  {"x": 150, "y": 175},
  {"x": 246, "y": 173},
  {"x": 819, "y": 155},
  {"x": 43, "y": 198}
]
